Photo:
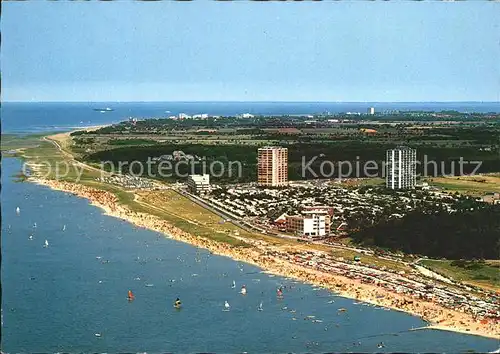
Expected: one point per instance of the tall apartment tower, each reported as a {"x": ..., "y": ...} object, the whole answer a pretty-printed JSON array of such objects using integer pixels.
[
  {"x": 401, "y": 168},
  {"x": 272, "y": 166}
]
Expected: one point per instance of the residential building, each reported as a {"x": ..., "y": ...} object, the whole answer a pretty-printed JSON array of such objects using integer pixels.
[
  {"x": 371, "y": 110},
  {"x": 272, "y": 166},
  {"x": 198, "y": 184},
  {"x": 183, "y": 116},
  {"x": 311, "y": 224},
  {"x": 491, "y": 198},
  {"x": 322, "y": 208},
  {"x": 401, "y": 168}
]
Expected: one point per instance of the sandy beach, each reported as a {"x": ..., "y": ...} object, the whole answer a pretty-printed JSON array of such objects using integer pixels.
[{"x": 436, "y": 316}]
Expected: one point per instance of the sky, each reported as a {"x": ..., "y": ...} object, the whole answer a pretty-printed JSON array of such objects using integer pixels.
[{"x": 355, "y": 51}]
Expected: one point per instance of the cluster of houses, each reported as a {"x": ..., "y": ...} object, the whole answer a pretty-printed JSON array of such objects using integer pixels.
[
  {"x": 315, "y": 209},
  {"x": 177, "y": 155},
  {"x": 127, "y": 181},
  {"x": 187, "y": 116},
  {"x": 182, "y": 116}
]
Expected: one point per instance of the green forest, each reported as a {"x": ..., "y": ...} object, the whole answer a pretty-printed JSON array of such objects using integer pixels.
[
  {"x": 305, "y": 154},
  {"x": 471, "y": 232}
]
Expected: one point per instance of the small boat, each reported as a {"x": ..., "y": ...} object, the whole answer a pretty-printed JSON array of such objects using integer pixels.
[
  {"x": 260, "y": 307},
  {"x": 234, "y": 285},
  {"x": 98, "y": 334},
  {"x": 18, "y": 210},
  {"x": 243, "y": 290},
  {"x": 34, "y": 225},
  {"x": 64, "y": 227},
  {"x": 130, "y": 295},
  {"x": 279, "y": 293},
  {"x": 30, "y": 238},
  {"x": 149, "y": 285},
  {"x": 227, "y": 307},
  {"x": 342, "y": 310},
  {"x": 46, "y": 244},
  {"x": 177, "y": 303}
]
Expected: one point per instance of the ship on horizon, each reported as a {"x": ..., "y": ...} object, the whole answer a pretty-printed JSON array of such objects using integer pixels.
[{"x": 102, "y": 110}]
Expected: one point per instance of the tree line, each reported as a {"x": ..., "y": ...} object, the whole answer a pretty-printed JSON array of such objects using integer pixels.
[{"x": 472, "y": 231}]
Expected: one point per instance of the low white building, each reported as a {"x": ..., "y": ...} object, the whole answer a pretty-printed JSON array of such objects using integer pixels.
[
  {"x": 199, "y": 184},
  {"x": 310, "y": 224},
  {"x": 183, "y": 116}
]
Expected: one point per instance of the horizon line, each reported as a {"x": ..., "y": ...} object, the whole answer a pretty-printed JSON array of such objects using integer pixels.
[{"x": 258, "y": 101}]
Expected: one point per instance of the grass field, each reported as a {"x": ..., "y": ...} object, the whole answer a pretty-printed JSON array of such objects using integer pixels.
[
  {"x": 13, "y": 142},
  {"x": 50, "y": 162},
  {"x": 176, "y": 206},
  {"x": 486, "y": 276},
  {"x": 474, "y": 185}
]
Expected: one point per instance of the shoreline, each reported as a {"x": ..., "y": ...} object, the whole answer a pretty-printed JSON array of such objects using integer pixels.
[{"x": 436, "y": 317}]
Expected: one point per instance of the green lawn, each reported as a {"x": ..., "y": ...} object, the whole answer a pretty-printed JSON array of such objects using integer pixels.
[
  {"x": 468, "y": 185},
  {"x": 485, "y": 275},
  {"x": 13, "y": 141}
]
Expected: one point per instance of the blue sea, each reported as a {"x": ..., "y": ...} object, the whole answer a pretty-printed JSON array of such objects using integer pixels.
[
  {"x": 41, "y": 117},
  {"x": 56, "y": 299}
]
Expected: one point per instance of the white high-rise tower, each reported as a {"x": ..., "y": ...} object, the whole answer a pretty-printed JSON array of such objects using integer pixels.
[{"x": 401, "y": 168}]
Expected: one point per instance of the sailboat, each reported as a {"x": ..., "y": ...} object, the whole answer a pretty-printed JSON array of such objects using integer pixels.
[
  {"x": 46, "y": 244},
  {"x": 130, "y": 295},
  {"x": 260, "y": 307},
  {"x": 64, "y": 227},
  {"x": 243, "y": 290},
  {"x": 226, "y": 306}
]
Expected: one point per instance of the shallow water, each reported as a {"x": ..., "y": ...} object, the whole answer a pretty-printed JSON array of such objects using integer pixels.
[{"x": 57, "y": 298}]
